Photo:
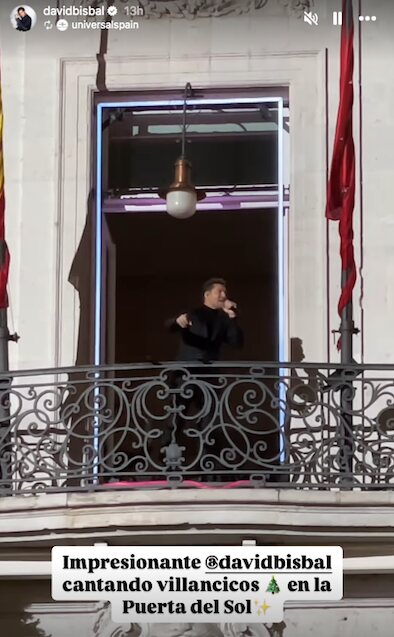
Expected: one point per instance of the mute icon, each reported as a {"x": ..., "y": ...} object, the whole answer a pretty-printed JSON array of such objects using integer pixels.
[{"x": 311, "y": 18}]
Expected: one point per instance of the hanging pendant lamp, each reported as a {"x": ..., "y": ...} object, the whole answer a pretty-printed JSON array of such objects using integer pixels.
[{"x": 182, "y": 196}]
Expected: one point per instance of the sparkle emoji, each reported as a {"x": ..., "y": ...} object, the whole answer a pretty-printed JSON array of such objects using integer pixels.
[{"x": 262, "y": 608}]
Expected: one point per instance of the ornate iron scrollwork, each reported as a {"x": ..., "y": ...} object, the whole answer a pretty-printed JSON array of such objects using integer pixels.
[{"x": 228, "y": 423}]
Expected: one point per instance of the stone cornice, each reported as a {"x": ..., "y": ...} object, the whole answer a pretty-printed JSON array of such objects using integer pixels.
[{"x": 140, "y": 517}]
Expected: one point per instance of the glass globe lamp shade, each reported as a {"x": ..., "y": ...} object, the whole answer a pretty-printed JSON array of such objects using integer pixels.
[{"x": 181, "y": 204}]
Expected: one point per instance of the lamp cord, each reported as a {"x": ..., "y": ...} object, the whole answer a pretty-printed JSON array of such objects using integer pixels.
[{"x": 188, "y": 93}]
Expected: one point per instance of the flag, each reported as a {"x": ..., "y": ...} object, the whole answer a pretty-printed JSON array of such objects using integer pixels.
[
  {"x": 341, "y": 185},
  {"x": 4, "y": 254}
]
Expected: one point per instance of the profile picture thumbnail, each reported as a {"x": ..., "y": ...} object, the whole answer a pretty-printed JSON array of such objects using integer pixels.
[{"x": 23, "y": 18}]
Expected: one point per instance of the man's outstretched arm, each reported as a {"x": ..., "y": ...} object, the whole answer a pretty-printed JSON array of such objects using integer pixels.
[{"x": 178, "y": 323}]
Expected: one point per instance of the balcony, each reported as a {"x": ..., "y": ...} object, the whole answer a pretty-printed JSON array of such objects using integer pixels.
[{"x": 223, "y": 426}]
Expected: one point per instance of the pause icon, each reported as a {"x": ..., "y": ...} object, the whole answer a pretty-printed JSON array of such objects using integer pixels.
[{"x": 337, "y": 18}]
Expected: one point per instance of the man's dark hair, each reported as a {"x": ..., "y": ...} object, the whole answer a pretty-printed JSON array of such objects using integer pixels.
[
  {"x": 208, "y": 285},
  {"x": 21, "y": 9}
]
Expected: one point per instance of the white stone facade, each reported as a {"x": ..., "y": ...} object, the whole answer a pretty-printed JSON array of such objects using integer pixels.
[
  {"x": 47, "y": 80},
  {"x": 362, "y": 523}
]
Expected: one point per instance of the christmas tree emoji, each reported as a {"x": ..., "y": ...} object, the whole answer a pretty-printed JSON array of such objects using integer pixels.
[{"x": 273, "y": 586}]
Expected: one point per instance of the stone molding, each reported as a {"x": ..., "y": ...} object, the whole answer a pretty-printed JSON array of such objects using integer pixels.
[
  {"x": 301, "y": 71},
  {"x": 143, "y": 517}
]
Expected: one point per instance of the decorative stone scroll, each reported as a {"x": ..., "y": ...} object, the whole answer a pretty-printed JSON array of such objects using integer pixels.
[{"x": 104, "y": 627}]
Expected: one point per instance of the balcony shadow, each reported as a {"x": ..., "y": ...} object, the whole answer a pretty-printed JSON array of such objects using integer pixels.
[
  {"x": 302, "y": 388},
  {"x": 75, "y": 408},
  {"x": 15, "y": 619},
  {"x": 81, "y": 278}
]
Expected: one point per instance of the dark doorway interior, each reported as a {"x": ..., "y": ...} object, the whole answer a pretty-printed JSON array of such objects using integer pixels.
[
  {"x": 226, "y": 144},
  {"x": 162, "y": 263},
  {"x": 217, "y": 161}
]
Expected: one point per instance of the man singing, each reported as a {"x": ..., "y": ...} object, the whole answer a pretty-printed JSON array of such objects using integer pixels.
[{"x": 205, "y": 330}]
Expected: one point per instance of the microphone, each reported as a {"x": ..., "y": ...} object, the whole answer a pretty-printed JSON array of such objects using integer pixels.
[{"x": 234, "y": 309}]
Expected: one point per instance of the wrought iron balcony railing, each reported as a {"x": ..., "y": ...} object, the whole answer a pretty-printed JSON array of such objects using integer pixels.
[{"x": 230, "y": 424}]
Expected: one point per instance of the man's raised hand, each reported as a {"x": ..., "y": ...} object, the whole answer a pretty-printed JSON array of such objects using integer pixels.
[
  {"x": 230, "y": 308},
  {"x": 183, "y": 321}
]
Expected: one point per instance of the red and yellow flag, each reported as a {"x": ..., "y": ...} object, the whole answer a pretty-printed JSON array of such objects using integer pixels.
[{"x": 4, "y": 254}]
